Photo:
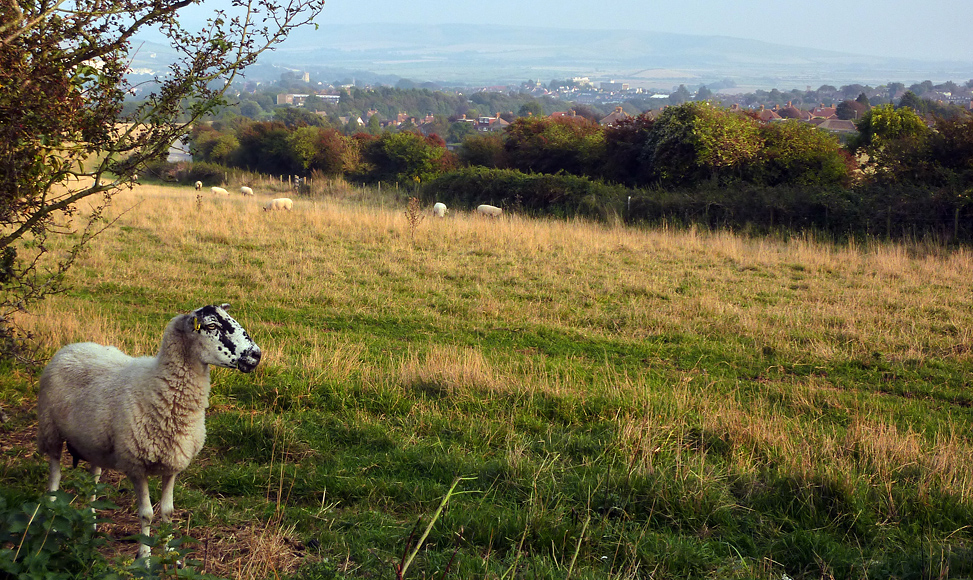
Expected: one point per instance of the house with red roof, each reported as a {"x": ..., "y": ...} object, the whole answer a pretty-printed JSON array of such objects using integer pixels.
[
  {"x": 614, "y": 117},
  {"x": 822, "y": 112},
  {"x": 767, "y": 115}
]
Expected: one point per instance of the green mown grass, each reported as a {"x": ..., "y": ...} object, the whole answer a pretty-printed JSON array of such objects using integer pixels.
[{"x": 665, "y": 404}]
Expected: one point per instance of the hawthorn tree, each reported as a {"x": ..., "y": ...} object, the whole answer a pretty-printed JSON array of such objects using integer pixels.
[
  {"x": 548, "y": 145},
  {"x": 64, "y": 136},
  {"x": 695, "y": 142},
  {"x": 850, "y": 110},
  {"x": 405, "y": 157},
  {"x": 800, "y": 154},
  {"x": 624, "y": 142},
  {"x": 886, "y": 123}
]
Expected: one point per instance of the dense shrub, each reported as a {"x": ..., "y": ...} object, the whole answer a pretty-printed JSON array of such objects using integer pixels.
[
  {"x": 624, "y": 143},
  {"x": 185, "y": 173},
  {"x": 535, "y": 194},
  {"x": 334, "y": 153},
  {"x": 550, "y": 145},
  {"x": 266, "y": 147},
  {"x": 941, "y": 158},
  {"x": 483, "y": 150},
  {"x": 402, "y": 157},
  {"x": 799, "y": 154},
  {"x": 696, "y": 142},
  {"x": 757, "y": 208},
  {"x": 208, "y": 173},
  {"x": 884, "y": 124}
]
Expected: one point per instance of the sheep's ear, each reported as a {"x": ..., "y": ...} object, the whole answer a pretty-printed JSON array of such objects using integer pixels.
[{"x": 225, "y": 306}]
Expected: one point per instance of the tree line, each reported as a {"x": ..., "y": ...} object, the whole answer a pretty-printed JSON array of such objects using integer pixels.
[{"x": 901, "y": 174}]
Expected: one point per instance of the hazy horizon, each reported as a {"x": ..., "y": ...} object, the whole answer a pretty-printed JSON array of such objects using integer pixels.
[{"x": 936, "y": 29}]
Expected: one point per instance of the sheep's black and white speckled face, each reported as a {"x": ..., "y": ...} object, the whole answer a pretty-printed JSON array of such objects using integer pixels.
[{"x": 228, "y": 344}]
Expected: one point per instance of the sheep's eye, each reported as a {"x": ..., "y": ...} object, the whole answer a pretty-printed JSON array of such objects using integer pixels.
[{"x": 210, "y": 326}]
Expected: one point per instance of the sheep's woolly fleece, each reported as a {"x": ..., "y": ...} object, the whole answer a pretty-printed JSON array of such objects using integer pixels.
[{"x": 141, "y": 416}]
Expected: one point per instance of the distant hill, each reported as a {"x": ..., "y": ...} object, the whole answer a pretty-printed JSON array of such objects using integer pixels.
[{"x": 488, "y": 55}]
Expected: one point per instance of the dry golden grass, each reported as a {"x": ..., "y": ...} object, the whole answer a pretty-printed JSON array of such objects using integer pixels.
[
  {"x": 301, "y": 279},
  {"x": 804, "y": 300}
]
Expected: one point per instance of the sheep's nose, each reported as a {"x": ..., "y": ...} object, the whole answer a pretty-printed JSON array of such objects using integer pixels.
[{"x": 249, "y": 360}]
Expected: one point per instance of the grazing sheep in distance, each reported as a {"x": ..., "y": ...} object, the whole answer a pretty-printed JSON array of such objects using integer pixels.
[
  {"x": 279, "y": 203},
  {"x": 489, "y": 210},
  {"x": 246, "y": 190},
  {"x": 439, "y": 210},
  {"x": 141, "y": 416},
  {"x": 219, "y": 191},
  {"x": 199, "y": 185}
]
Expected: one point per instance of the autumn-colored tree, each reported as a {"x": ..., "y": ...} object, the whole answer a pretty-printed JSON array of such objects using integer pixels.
[
  {"x": 548, "y": 145},
  {"x": 63, "y": 134},
  {"x": 335, "y": 153},
  {"x": 624, "y": 143}
]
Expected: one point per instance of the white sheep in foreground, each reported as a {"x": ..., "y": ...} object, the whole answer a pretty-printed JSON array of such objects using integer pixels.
[
  {"x": 141, "y": 416},
  {"x": 199, "y": 185},
  {"x": 279, "y": 203},
  {"x": 489, "y": 210},
  {"x": 439, "y": 210},
  {"x": 219, "y": 191},
  {"x": 246, "y": 190}
]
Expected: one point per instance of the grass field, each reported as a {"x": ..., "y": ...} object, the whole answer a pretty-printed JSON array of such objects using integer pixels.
[{"x": 620, "y": 402}]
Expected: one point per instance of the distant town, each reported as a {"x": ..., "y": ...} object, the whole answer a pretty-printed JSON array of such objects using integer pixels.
[{"x": 491, "y": 108}]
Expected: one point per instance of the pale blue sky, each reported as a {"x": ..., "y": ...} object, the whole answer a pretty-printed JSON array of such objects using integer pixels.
[
  {"x": 929, "y": 29},
  {"x": 925, "y": 29}
]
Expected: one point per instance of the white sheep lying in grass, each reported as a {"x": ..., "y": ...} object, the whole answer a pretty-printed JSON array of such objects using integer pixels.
[
  {"x": 199, "y": 185},
  {"x": 489, "y": 210},
  {"x": 279, "y": 203},
  {"x": 219, "y": 191},
  {"x": 246, "y": 190},
  {"x": 141, "y": 416},
  {"x": 439, "y": 209}
]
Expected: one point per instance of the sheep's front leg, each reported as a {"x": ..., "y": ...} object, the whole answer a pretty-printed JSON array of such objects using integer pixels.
[
  {"x": 96, "y": 475},
  {"x": 165, "y": 505},
  {"x": 54, "y": 476},
  {"x": 145, "y": 512}
]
